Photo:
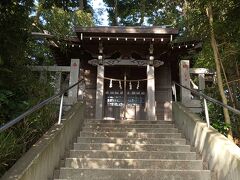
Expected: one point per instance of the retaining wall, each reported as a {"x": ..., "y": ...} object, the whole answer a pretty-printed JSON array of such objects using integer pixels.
[{"x": 222, "y": 155}]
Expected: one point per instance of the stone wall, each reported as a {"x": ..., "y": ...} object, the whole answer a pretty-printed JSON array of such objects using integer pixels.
[{"x": 221, "y": 155}]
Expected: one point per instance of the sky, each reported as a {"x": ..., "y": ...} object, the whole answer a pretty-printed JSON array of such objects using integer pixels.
[{"x": 99, "y": 6}]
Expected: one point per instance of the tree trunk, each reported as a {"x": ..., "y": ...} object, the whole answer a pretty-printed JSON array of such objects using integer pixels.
[
  {"x": 218, "y": 69},
  {"x": 226, "y": 79},
  {"x": 185, "y": 14},
  {"x": 142, "y": 11},
  {"x": 234, "y": 92},
  {"x": 116, "y": 12},
  {"x": 39, "y": 9},
  {"x": 81, "y": 5}
]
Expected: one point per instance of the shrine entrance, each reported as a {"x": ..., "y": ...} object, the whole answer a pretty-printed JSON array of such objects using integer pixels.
[
  {"x": 125, "y": 92},
  {"x": 128, "y": 70}
]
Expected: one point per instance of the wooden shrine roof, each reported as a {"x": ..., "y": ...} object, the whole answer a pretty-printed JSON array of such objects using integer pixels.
[
  {"x": 126, "y": 41},
  {"x": 121, "y": 30},
  {"x": 113, "y": 33}
]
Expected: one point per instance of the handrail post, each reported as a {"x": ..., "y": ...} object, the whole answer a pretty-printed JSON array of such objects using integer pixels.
[
  {"x": 206, "y": 112},
  {"x": 174, "y": 92},
  {"x": 60, "y": 110}
]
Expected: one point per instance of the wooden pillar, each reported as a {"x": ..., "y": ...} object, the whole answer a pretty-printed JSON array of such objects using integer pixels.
[
  {"x": 185, "y": 94},
  {"x": 74, "y": 73},
  {"x": 125, "y": 96},
  {"x": 81, "y": 87},
  {"x": 151, "y": 112},
  {"x": 99, "y": 92}
]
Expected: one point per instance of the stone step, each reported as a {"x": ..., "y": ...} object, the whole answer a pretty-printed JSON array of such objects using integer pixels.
[
  {"x": 56, "y": 173},
  {"x": 148, "y": 130},
  {"x": 101, "y": 163},
  {"x": 131, "y": 147},
  {"x": 133, "y": 154},
  {"x": 133, "y": 174},
  {"x": 130, "y": 134},
  {"x": 128, "y": 121},
  {"x": 132, "y": 140},
  {"x": 95, "y": 125}
]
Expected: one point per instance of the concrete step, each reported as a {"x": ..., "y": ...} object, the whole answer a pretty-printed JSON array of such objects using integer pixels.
[
  {"x": 100, "y": 163},
  {"x": 131, "y": 147},
  {"x": 128, "y": 121},
  {"x": 148, "y": 130},
  {"x": 95, "y": 125},
  {"x": 133, "y": 154},
  {"x": 130, "y": 134},
  {"x": 132, "y": 140},
  {"x": 133, "y": 174}
]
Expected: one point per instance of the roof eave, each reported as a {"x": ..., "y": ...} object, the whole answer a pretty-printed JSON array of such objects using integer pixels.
[{"x": 154, "y": 30}]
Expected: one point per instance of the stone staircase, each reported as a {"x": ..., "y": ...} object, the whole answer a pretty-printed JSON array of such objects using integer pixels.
[{"x": 131, "y": 150}]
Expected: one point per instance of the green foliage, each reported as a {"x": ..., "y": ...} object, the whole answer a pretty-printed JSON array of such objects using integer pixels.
[
  {"x": 66, "y": 5},
  {"x": 20, "y": 88},
  {"x": 216, "y": 114},
  {"x": 16, "y": 141},
  {"x": 128, "y": 12},
  {"x": 39, "y": 53},
  {"x": 227, "y": 37},
  {"x": 29, "y": 90},
  {"x": 205, "y": 59},
  {"x": 217, "y": 120},
  {"x": 61, "y": 23},
  {"x": 13, "y": 33},
  {"x": 221, "y": 126}
]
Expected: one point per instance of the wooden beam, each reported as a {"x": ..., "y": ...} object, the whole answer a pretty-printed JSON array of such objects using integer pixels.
[
  {"x": 51, "y": 68},
  {"x": 200, "y": 71},
  {"x": 127, "y": 30}
]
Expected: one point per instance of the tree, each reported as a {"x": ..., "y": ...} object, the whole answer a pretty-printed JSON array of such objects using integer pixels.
[
  {"x": 129, "y": 12},
  {"x": 218, "y": 68},
  {"x": 20, "y": 88},
  {"x": 219, "y": 36}
]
